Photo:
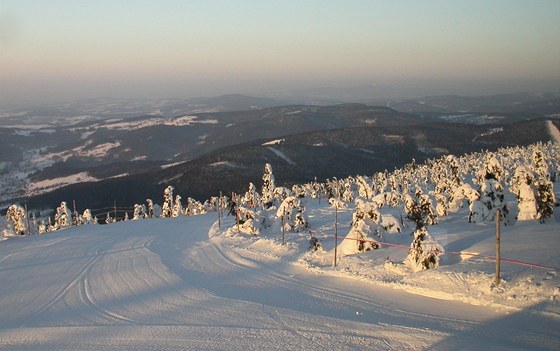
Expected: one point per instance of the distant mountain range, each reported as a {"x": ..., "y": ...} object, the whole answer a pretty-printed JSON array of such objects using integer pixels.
[{"x": 112, "y": 156}]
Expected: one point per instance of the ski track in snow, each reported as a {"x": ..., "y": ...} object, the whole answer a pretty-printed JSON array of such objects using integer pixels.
[
  {"x": 168, "y": 284},
  {"x": 282, "y": 155}
]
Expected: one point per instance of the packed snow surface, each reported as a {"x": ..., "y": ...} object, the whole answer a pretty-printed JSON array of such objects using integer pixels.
[{"x": 187, "y": 284}]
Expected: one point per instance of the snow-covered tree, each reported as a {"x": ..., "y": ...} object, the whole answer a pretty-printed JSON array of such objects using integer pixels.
[
  {"x": 291, "y": 212},
  {"x": 545, "y": 199},
  {"x": 167, "y": 206},
  {"x": 62, "y": 217},
  {"x": 359, "y": 238},
  {"x": 247, "y": 221},
  {"x": 149, "y": 208},
  {"x": 521, "y": 175},
  {"x": 87, "y": 217},
  {"x": 16, "y": 221},
  {"x": 491, "y": 199},
  {"x": 252, "y": 198},
  {"x": 109, "y": 219},
  {"x": 139, "y": 212},
  {"x": 364, "y": 188},
  {"x": 544, "y": 192},
  {"x": 177, "y": 207},
  {"x": 348, "y": 194},
  {"x": 526, "y": 203},
  {"x": 424, "y": 251},
  {"x": 268, "y": 186},
  {"x": 419, "y": 209}
]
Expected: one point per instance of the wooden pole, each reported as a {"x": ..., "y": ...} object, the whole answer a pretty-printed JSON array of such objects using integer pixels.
[
  {"x": 283, "y": 225},
  {"x": 497, "y": 279},
  {"x": 115, "y": 208},
  {"x": 75, "y": 213},
  {"x": 28, "y": 225},
  {"x": 335, "y": 231},
  {"x": 220, "y": 211},
  {"x": 236, "y": 210}
]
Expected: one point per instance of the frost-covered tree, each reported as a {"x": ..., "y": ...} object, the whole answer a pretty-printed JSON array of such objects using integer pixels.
[
  {"x": 441, "y": 205},
  {"x": 149, "y": 208},
  {"x": 359, "y": 238},
  {"x": 544, "y": 192},
  {"x": 247, "y": 221},
  {"x": 252, "y": 198},
  {"x": 460, "y": 194},
  {"x": 365, "y": 209},
  {"x": 419, "y": 210},
  {"x": 348, "y": 194},
  {"x": 62, "y": 217},
  {"x": 491, "y": 199},
  {"x": 109, "y": 219},
  {"x": 268, "y": 186},
  {"x": 16, "y": 221},
  {"x": 87, "y": 217},
  {"x": 545, "y": 199},
  {"x": 454, "y": 175},
  {"x": 424, "y": 251},
  {"x": 193, "y": 207},
  {"x": 526, "y": 202},
  {"x": 167, "y": 206},
  {"x": 139, "y": 212},
  {"x": 521, "y": 175},
  {"x": 364, "y": 188},
  {"x": 177, "y": 207},
  {"x": 291, "y": 211}
]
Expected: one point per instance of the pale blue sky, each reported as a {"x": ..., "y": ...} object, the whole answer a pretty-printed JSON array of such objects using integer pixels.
[{"x": 65, "y": 49}]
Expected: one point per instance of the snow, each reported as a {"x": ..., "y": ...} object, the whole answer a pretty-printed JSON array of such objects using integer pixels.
[
  {"x": 274, "y": 142},
  {"x": 52, "y": 184},
  {"x": 224, "y": 164},
  {"x": 85, "y": 150},
  {"x": 184, "y": 283},
  {"x": 150, "y": 122}
]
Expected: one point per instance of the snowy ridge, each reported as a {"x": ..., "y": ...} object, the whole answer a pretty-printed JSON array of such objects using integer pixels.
[{"x": 554, "y": 132}]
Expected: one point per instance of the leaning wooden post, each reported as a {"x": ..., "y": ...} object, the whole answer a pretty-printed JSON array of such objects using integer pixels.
[
  {"x": 335, "y": 231},
  {"x": 497, "y": 279}
]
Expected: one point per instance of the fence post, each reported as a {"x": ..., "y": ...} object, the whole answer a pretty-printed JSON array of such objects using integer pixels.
[
  {"x": 497, "y": 278},
  {"x": 233, "y": 198},
  {"x": 335, "y": 231},
  {"x": 220, "y": 211},
  {"x": 75, "y": 213},
  {"x": 283, "y": 225},
  {"x": 29, "y": 232}
]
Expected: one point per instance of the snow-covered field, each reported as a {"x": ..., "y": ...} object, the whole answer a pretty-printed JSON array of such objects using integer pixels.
[{"x": 186, "y": 284}]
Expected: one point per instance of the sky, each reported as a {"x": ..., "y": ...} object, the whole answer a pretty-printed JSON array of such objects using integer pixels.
[{"x": 60, "y": 50}]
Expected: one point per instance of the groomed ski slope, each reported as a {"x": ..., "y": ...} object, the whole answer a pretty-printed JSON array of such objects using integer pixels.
[{"x": 183, "y": 284}]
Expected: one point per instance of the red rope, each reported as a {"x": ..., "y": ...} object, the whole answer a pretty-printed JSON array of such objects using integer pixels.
[{"x": 451, "y": 253}]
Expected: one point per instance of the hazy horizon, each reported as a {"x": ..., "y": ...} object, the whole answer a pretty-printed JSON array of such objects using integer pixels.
[{"x": 55, "y": 51}]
